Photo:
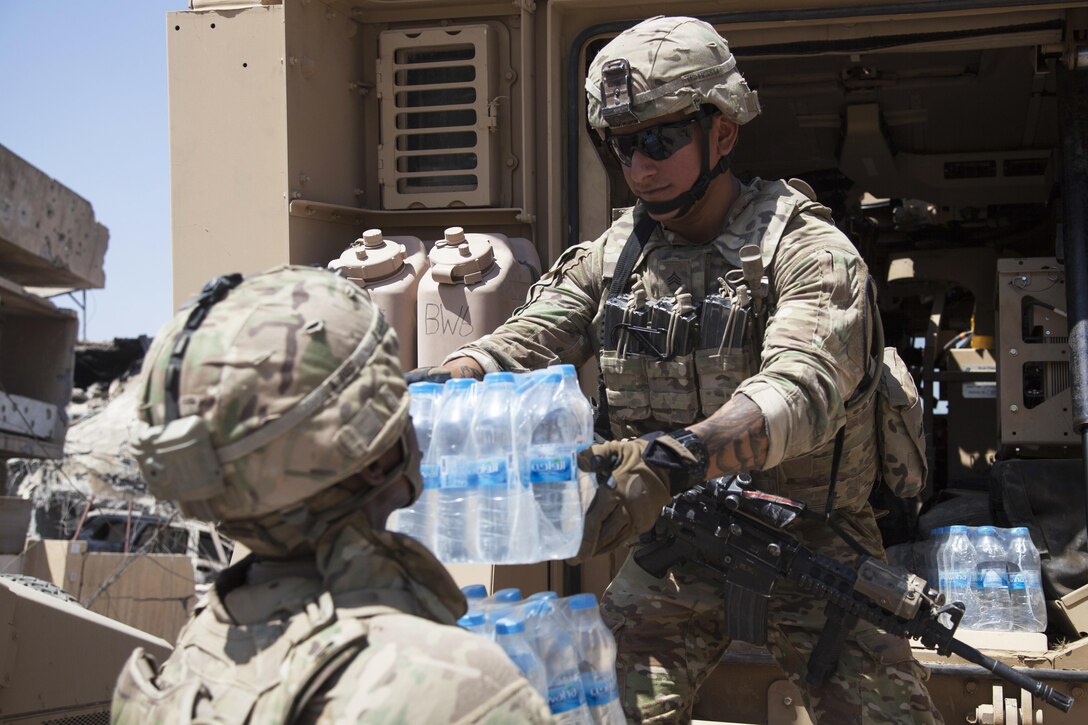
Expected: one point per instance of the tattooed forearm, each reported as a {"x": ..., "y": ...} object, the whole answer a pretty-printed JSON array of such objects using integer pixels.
[
  {"x": 735, "y": 437},
  {"x": 465, "y": 367},
  {"x": 471, "y": 371}
]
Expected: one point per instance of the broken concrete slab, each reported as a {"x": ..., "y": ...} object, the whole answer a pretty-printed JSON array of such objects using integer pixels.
[
  {"x": 37, "y": 339},
  {"x": 48, "y": 234}
]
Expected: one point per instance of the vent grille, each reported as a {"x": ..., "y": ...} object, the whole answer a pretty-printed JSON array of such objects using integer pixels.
[
  {"x": 437, "y": 117},
  {"x": 101, "y": 717}
]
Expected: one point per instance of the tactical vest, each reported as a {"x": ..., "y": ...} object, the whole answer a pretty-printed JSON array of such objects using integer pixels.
[
  {"x": 296, "y": 657},
  {"x": 674, "y": 349}
]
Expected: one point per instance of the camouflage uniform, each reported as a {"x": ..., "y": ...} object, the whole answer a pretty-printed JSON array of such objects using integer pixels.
[
  {"x": 812, "y": 355},
  {"x": 373, "y": 614},
  {"x": 264, "y": 408}
]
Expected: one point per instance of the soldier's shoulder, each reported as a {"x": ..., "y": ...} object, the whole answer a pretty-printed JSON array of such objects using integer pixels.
[{"x": 415, "y": 670}]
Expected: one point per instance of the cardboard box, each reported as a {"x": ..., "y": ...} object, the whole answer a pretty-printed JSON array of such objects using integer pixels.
[{"x": 151, "y": 592}]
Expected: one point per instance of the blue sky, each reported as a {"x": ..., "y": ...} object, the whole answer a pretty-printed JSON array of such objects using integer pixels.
[{"x": 84, "y": 98}]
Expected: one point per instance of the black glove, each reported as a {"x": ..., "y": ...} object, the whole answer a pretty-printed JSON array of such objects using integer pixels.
[{"x": 636, "y": 477}]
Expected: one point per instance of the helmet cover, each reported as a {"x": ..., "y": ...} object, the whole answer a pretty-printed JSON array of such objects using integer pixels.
[
  {"x": 664, "y": 65},
  {"x": 294, "y": 380}
]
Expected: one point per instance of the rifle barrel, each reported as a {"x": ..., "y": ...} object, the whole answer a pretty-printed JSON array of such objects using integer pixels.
[{"x": 1040, "y": 689}]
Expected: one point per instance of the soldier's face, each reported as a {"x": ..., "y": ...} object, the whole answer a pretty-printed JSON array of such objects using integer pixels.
[
  {"x": 653, "y": 180},
  {"x": 388, "y": 471}
]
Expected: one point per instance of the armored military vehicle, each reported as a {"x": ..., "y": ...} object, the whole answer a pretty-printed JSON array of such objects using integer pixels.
[{"x": 946, "y": 136}]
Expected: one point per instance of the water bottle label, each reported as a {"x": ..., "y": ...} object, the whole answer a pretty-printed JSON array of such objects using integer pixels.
[
  {"x": 565, "y": 693},
  {"x": 1026, "y": 579},
  {"x": 600, "y": 688},
  {"x": 454, "y": 474},
  {"x": 490, "y": 472},
  {"x": 991, "y": 579},
  {"x": 431, "y": 475},
  {"x": 957, "y": 580},
  {"x": 551, "y": 469}
]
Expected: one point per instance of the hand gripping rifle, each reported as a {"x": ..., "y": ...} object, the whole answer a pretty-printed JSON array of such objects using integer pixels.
[{"x": 741, "y": 533}]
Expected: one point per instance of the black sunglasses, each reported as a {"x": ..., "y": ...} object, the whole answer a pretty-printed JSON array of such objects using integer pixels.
[{"x": 658, "y": 142}]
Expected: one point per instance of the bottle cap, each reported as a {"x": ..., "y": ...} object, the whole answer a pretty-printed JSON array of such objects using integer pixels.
[
  {"x": 578, "y": 602},
  {"x": 472, "y": 619},
  {"x": 499, "y": 378},
  {"x": 542, "y": 596},
  {"x": 426, "y": 389},
  {"x": 987, "y": 531},
  {"x": 472, "y": 591},
  {"x": 459, "y": 383},
  {"x": 958, "y": 529},
  {"x": 513, "y": 594},
  {"x": 1020, "y": 531},
  {"x": 509, "y": 625},
  {"x": 567, "y": 370}
]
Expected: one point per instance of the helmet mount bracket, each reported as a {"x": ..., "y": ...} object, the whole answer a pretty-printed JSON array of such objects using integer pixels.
[{"x": 616, "y": 93}]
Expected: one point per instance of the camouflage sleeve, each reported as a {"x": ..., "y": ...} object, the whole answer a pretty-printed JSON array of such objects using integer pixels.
[
  {"x": 555, "y": 324},
  {"x": 417, "y": 671},
  {"x": 816, "y": 341}
]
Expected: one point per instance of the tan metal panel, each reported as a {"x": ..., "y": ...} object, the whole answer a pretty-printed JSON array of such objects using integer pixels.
[
  {"x": 1033, "y": 393},
  {"x": 228, "y": 143},
  {"x": 330, "y": 115},
  {"x": 60, "y": 659}
]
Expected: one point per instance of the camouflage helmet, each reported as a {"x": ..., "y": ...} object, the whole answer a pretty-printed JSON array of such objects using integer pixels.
[
  {"x": 664, "y": 65},
  {"x": 268, "y": 391}
]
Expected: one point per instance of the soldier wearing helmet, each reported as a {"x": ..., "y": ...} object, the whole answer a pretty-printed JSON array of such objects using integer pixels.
[
  {"x": 736, "y": 331},
  {"x": 276, "y": 407}
]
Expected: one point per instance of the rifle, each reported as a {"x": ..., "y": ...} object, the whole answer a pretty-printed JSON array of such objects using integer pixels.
[{"x": 741, "y": 533}]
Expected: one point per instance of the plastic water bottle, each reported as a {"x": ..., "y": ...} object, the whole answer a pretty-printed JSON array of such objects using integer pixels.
[
  {"x": 492, "y": 469},
  {"x": 956, "y": 560},
  {"x": 991, "y": 583},
  {"x": 475, "y": 594},
  {"x": 510, "y": 635},
  {"x": 455, "y": 540},
  {"x": 1025, "y": 583},
  {"x": 597, "y": 660},
  {"x": 578, "y": 404},
  {"x": 475, "y": 622},
  {"x": 418, "y": 520},
  {"x": 501, "y": 604},
  {"x": 548, "y": 434},
  {"x": 557, "y": 650},
  {"x": 933, "y": 553}
]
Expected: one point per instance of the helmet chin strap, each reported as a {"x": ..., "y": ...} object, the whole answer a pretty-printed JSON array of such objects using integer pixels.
[{"x": 685, "y": 201}]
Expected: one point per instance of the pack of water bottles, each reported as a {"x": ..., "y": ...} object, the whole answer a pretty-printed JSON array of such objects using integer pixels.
[
  {"x": 560, "y": 645},
  {"x": 994, "y": 572},
  {"x": 500, "y": 476}
]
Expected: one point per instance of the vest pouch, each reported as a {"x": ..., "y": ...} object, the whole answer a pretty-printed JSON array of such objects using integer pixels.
[
  {"x": 626, "y": 386},
  {"x": 900, "y": 432},
  {"x": 674, "y": 397},
  {"x": 137, "y": 698},
  {"x": 719, "y": 376}
]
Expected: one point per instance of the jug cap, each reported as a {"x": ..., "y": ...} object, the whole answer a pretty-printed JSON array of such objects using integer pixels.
[
  {"x": 461, "y": 258},
  {"x": 370, "y": 258}
]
